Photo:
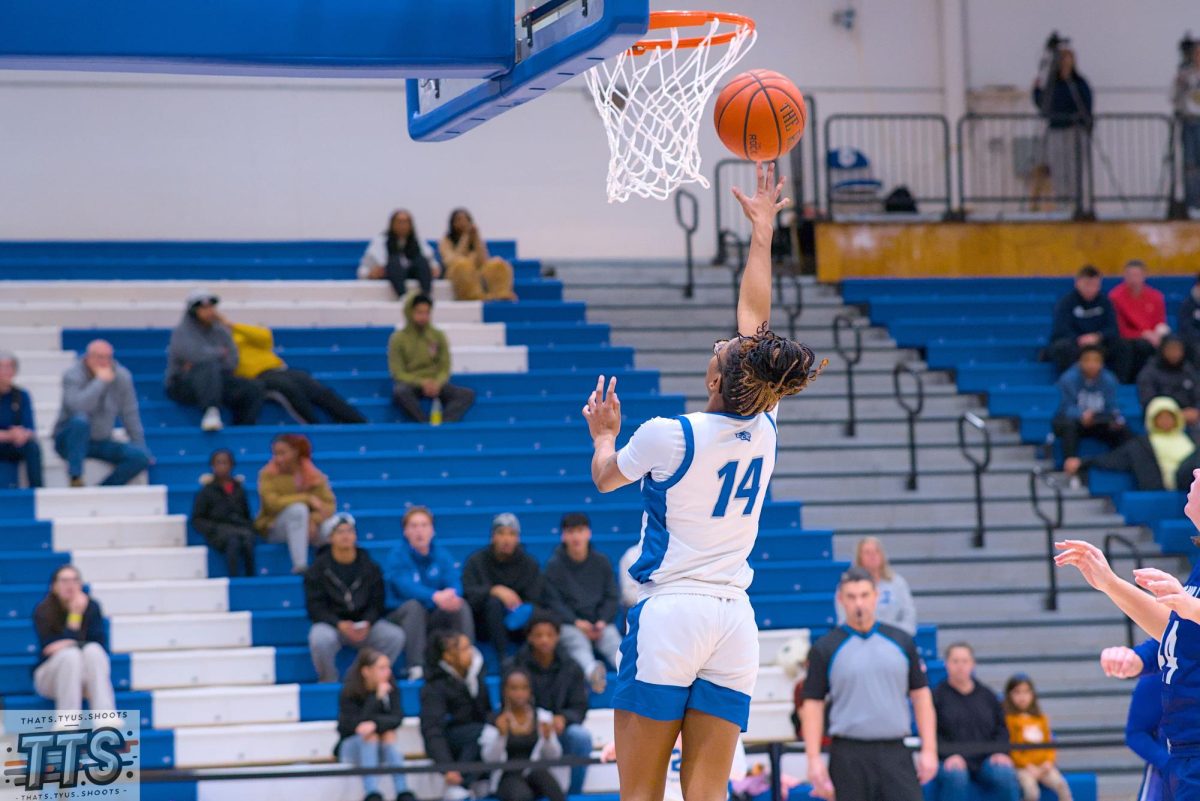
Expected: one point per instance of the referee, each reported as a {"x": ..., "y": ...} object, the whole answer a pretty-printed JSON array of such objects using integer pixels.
[{"x": 868, "y": 671}]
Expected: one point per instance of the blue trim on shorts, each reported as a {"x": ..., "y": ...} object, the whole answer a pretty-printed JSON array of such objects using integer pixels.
[
  {"x": 720, "y": 702},
  {"x": 654, "y": 701},
  {"x": 654, "y": 496}
]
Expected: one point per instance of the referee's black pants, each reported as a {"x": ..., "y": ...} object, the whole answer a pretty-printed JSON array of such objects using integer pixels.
[{"x": 873, "y": 770}]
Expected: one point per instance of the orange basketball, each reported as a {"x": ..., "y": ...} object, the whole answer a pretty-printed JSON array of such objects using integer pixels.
[{"x": 760, "y": 115}]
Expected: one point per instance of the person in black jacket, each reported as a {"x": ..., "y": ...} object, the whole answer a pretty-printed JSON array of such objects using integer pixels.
[
  {"x": 369, "y": 713},
  {"x": 501, "y": 583},
  {"x": 1064, "y": 98},
  {"x": 221, "y": 513},
  {"x": 969, "y": 712},
  {"x": 343, "y": 590},
  {"x": 581, "y": 588},
  {"x": 1188, "y": 322},
  {"x": 1084, "y": 316},
  {"x": 558, "y": 687},
  {"x": 72, "y": 646},
  {"x": 455, "y": 706},
  {"x": 1161, "y": 459},
  {"x": 398, "y": 255},
  {"x": 1170, "y": 375}
]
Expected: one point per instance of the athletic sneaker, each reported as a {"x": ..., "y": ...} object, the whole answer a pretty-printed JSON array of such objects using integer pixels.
[{"x": 211, "y": 420}]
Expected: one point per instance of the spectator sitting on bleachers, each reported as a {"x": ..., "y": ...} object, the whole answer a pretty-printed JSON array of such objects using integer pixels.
[
  {"x": 581, "y": 589},
  {"x": 424, "y": 589},
  {"x": 1160, "y": 459},
  {"x": 969, "y": 712},
  {"x": 1082, "y": 317},
  {"x": 399, "y": 255},
  {"x": 221, "y": 513},
  {"x": 1088, "y": 404},
  {"x": 501, "y": 582},
  {"x": 419, "y": 363},
  {"x": 201, "y": 358},
  {"x": 296, "y": 503},
  {"x": 1170, "y": 375},
  {"x": 18, "y": 433},
  {"x": 343, "y": 591},
  {"x": 454, "y": 708},
  {"x": 895, "y": 606},
  {"x": 1028, "y": 725},
  {"x": 1141, "y": 314},
  {"x": 72, "y": 646},
  {"x": 521, "y": 731},
  {"x": 369, "y": 713},
  {"x": 474, "y": 274},
  {"x": 559, "y": 686},
  {"x": 297, "y": 391},
  {"x": 1188, "y": 321},
  {"x": 96, "y": 390}
]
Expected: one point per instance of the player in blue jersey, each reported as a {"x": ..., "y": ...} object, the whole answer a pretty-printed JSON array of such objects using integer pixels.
[
  {"x": 1170, "y": 613},
  {"x": 689, "y": 659}
]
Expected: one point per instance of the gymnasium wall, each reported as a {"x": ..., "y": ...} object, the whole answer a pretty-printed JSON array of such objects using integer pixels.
[{"x": 132, "y": 156}]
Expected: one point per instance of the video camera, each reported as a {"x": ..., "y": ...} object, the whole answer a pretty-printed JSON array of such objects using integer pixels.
[{"x": 1048, "y": 66}]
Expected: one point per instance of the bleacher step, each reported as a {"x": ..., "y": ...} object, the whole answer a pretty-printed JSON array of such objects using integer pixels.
[
  {"x": 187, "y": 631},
  {"x": 142, "y": 564},
  {"x": 161, "y": 531},
  {"x": 51, "y": 504},
  {"x": 872, "y": 514},
  {"x": 152, "y": 670},
  {"x": 159, "y": 596}
]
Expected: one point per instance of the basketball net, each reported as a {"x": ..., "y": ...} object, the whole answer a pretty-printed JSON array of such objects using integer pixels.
[{"x": 651, "y": 101}]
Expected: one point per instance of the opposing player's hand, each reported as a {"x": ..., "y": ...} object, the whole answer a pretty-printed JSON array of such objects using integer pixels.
[
  {"x": 603, "y": 410},
  {"x": 1192, "y": 509},
  {"x": 1120, "y": 662},
  {"x": 818, "y": 777},
  {"x": 1159, "y": 582},
  {"x": 1183, "y": 605},
  {"x": 768, "y": 198},
  {"x": 1090, "y": 561}
]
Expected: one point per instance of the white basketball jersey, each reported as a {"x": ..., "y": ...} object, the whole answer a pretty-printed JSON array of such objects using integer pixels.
[{"x": 704, "y": 482}]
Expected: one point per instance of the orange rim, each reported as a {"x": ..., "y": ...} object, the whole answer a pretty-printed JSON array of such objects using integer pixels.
[{"x": 661, "y": 20}]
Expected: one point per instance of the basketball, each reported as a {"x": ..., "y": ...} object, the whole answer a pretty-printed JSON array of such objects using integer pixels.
[{"x": 760, "y": 115}]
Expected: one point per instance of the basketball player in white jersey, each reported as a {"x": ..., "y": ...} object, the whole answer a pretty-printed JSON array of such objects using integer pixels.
[{"x": 689, "y": 660}]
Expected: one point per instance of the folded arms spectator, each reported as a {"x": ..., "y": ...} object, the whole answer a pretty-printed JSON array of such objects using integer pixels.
[
  {"x": 473, "y": 272},
  {"x": 1088, "y": 405},
  {"x": 419, "y": 363},
  {"x": 399, "y": 255},
  {"x": 1161, "y": 459},
  {"x": 73, "y": 648},
  {"x": 201, "y": 358},
  {"x": 344, "y": 593},
  {"x": 221, "y": 513},
  {"x": 895, "y": 606},
  {"x": 18, "y": 433},
  {"x": 1085, "y": 317},
  {"x": 369, "y": 713},
  {"x": 96, "y": 390},
  {"x": 501, "y": 583},
  {"x": 454, "y": 707},
  {"x": 296, "y": 503}
]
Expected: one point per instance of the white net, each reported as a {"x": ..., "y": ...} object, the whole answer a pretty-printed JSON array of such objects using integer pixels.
[{"x": 651, "y": 106}]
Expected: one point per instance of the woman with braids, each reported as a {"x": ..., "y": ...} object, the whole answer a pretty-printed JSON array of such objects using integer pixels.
[{"x": 689, "y": 659}]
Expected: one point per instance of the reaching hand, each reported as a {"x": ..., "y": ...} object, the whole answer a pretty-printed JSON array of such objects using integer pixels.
[
  {"x": 1120, "y": 662},
  {"x": 1090, "y": 561},
  {"x": 761, "y": 209},
  {"x": 603, "y": 413},
  {"x": 1158, "y": 582}
]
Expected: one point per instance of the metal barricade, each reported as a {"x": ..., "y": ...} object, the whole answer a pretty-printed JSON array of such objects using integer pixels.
[
  {"x": 805, "y": 164},
  {"x": 1132, "y": 166}
]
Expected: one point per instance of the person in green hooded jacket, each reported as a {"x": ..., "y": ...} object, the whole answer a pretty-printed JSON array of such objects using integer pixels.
[{"x": 419, "y": 362}]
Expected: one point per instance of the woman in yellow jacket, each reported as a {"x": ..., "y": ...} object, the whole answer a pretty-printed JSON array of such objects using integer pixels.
[
  {"x": 474, "y": 274},
  {"x": 1027, "y": 725},
  {"x": 295, "y": 501},
  {"x": 298, "y": 392}
]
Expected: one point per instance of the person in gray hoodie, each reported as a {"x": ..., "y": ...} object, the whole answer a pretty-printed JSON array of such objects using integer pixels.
[
  {"x": 96, "y": 390},
  {"x": 201, "y": 358}
]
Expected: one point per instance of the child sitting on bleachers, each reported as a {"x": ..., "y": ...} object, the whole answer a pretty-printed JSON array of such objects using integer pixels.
[
  {"x": 369, "y": 713},
  {"x": 1027, "y": 725}
]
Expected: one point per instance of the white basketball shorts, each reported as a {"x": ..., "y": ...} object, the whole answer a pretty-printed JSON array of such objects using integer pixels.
[{"x": 688, "y": 651}]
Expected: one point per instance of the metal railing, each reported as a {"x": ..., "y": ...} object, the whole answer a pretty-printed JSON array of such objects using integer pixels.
[
  {"x": 1132, "y": 165},
  {"x": 789, "y": 296},
  {"x": 1139, "y": 561},
  {"x": 689, "y": 229},
  {"x": 912, "y": 410},
  {"x": 979, "y": 466},
  {"x": 732, "y": 227},
  {"x": 1052, "y": 523},
  {"x": 851, "y": 358},
  {"x": 805, "y": 163},
  {"x": 870, "y": 155},
  {"x": 1188, "y": 171}
]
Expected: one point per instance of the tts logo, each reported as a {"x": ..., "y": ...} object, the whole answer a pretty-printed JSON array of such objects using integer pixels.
[{"x": 57, "y": 757}]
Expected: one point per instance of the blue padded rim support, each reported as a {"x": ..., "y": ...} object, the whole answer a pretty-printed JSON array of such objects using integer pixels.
[
  {"x": 319, "y": 38},
  {"x": 622, "y": 23}
]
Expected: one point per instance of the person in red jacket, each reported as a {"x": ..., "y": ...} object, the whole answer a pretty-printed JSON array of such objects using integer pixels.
[{"x": 1141, "y": 313}]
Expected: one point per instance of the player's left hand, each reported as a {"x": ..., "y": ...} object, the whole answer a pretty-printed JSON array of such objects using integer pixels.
[
  {"x": 766, "y": 203},
  {"x": 603, "y": 412},
  {"x": 1158, "y": 582},
  {"x": 1182, "y": 604}
]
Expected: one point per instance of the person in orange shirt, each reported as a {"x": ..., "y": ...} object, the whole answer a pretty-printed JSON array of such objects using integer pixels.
[{"x": 1027, "y": 725}]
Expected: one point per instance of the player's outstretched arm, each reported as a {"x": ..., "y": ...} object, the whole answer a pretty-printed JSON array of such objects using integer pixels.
[
  {"x": 603, "y": 414},
  {"x": 754, "y": 300},
  {"x": 1141, "y": 607}
]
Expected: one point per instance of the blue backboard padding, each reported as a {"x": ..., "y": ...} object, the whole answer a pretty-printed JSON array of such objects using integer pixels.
[{"x": 324, "y": 38}]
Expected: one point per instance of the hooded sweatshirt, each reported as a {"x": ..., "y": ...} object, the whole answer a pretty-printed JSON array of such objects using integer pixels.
[
  {"x": 334, "y": 592},
  {"x": 1078, "y": 394},
  {"x": 584, "y": 590},
  {"x": 1170, "y": 447},
  {"x": 1148, "y": 457},
  {"x": 449, "y": 700},
  {"x": 255, "y": 350},
  {"x": 1074, "y": 316},
  {"x": 194, "y": 343},
  {"x": 483, "y": 571},
  {"x": 418, "y": 354},
  {"x": 411, "y": 576},
  {"x": 1138, "y": 313},
  {"x": 1180, "y": 382},
  {"x": 560, "y": 687},
  {"x": 101, "y": 403}
]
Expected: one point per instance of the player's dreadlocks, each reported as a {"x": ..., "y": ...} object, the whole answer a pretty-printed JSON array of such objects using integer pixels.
[{"x": 758, "y": 370}]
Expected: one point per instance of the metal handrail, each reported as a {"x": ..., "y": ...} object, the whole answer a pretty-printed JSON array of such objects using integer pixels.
[
  {"x": 689, "y": 229},
  {"x": 852, "y": 358},
  {"x": 1052, "y": 523},
  {"x": 794, "y": 309},
  {"x": 979, "y": 466},
  {"x": 913, "y": 411},
  {"x": 1139, "y": 561}
]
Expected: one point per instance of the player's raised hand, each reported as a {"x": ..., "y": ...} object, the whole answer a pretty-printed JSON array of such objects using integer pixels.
[
  {"x": 1158, "y": 582},
  {"x": 1090, "y": 561},
  {"x": 603, "y": 410},
  {"x": 1120, "y": 662},
  {"x": 767, "y": 201}
]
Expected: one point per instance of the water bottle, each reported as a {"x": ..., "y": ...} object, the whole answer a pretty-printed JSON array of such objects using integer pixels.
[{"x": 435, "y": 412}]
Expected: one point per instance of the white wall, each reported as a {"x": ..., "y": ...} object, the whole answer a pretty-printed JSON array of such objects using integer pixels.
[{"x": 108, "y": 156}]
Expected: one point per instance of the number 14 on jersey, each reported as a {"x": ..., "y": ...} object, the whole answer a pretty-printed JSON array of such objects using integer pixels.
[{"x": 747, "y": 489}]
